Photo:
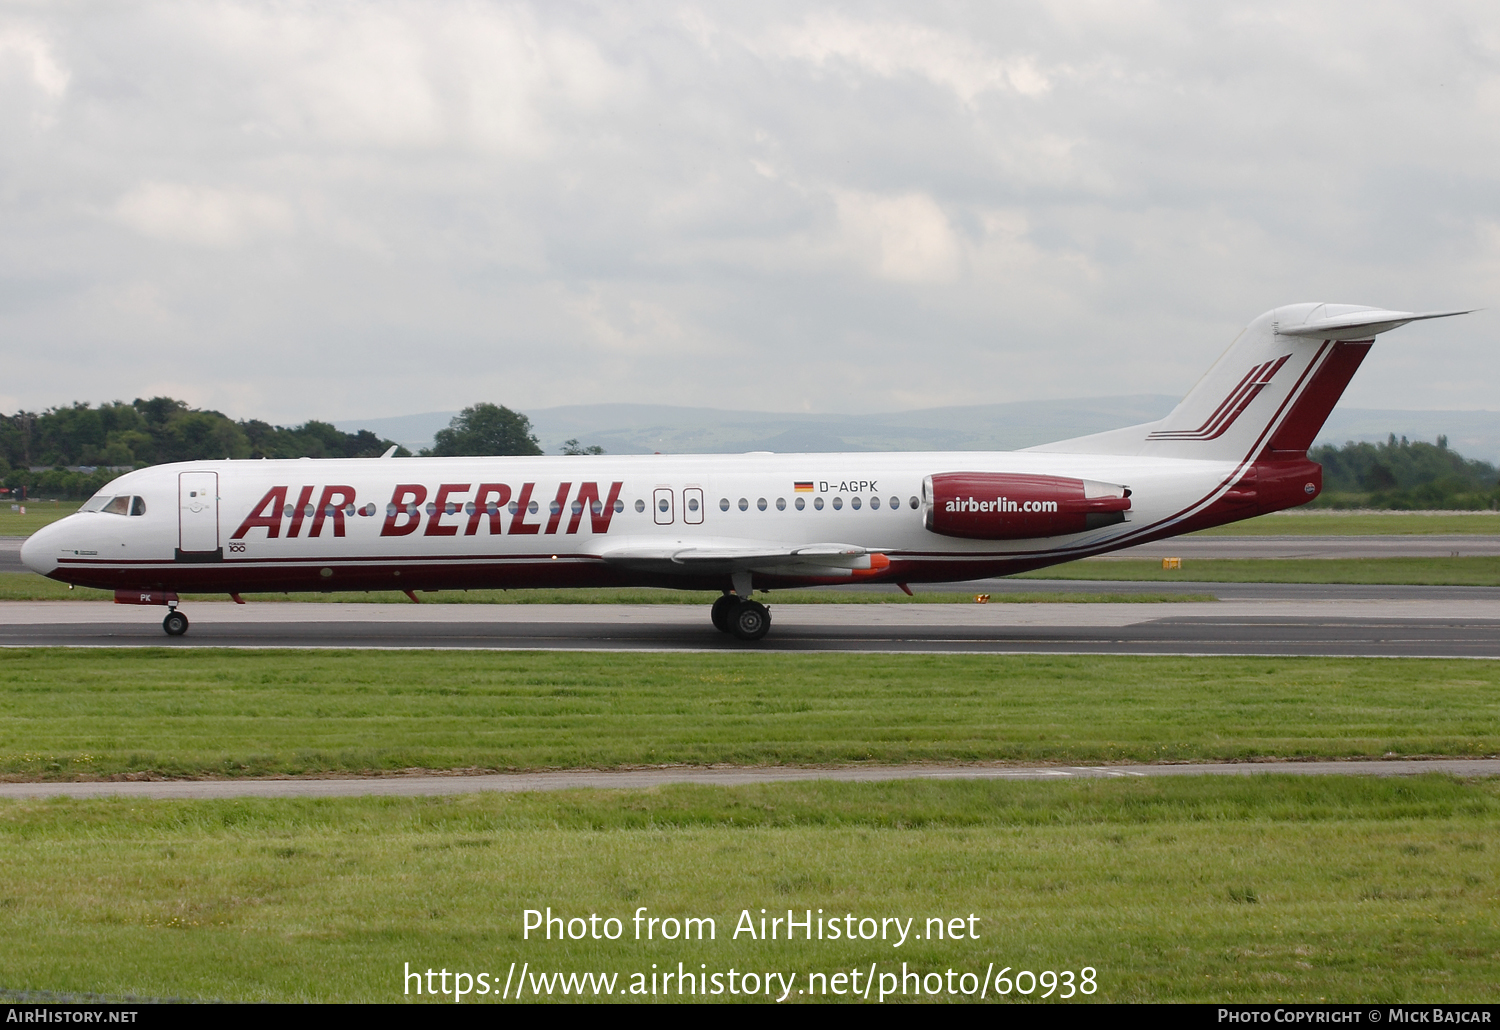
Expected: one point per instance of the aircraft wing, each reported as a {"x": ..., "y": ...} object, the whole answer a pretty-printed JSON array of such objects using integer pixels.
[{"x": 824, "y": 559}]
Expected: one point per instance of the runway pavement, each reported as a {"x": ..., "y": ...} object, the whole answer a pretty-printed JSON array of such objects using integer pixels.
[
  {"x": 1249, "y": 618},
  {"x": 569, "y": 779},
  {"x": 1446, "y": 628},
  {"x": 10, "y": 554}
]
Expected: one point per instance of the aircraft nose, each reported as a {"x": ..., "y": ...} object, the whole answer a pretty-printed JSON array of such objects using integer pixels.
[{"x": 39, "y": 551}]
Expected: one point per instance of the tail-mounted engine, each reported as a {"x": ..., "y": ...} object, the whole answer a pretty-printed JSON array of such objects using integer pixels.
[{"x": 1011, "y": 506}]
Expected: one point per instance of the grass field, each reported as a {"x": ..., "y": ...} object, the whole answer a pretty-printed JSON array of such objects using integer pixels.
[
  {"x": 1483, "y": 570},
  {"x": 1267, "y": 889},
  {"x": 38, "y": 514},
  {"x": 67, "y": 714},
  {"x": 1325, "y": 522}
]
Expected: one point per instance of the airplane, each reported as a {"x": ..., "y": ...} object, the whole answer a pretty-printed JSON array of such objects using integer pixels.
[{"x": 1235, "y": 447}]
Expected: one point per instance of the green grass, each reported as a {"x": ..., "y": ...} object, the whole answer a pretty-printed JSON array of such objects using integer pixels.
[
  {"x": 1201, "y": 889},
  {"x": 26, "y": 586},
  {"x": 68, "y": 714},
  {"x": 38, "y": 514},
  {"x": 1469, "y": 572},
  {"x": 1323, "y": 522}
]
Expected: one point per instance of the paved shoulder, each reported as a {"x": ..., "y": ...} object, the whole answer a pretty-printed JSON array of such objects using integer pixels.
[{"x": 570, "y": 779}]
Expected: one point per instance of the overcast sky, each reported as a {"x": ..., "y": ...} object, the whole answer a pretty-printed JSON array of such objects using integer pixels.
[{"x": 335, "y": 211}]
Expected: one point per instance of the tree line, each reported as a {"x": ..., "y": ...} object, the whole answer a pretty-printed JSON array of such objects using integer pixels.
[
  {"x": 1405, "y": 475},
  {"x": 37, "y": 449},
  {"x": 120, "y": 435}
]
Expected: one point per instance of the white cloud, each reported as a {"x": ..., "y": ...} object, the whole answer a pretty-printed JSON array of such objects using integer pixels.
[
  {"x": 29, "y": 65},
  {"x": 412, "y": 76},
  {"x": 890, "y": 49},
  {"x": 203, "y": 216},
  {"x": 633, "y": 327},
  {"x": 905, "y": 238}
]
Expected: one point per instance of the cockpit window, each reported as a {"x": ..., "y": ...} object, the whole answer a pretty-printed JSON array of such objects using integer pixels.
[
  {"x": 123, "y": 505},
  {"x": 96, "y": 502}
]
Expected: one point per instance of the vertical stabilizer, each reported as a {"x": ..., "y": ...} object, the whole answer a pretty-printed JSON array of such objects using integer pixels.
[{"x": 1268, "y": 395}]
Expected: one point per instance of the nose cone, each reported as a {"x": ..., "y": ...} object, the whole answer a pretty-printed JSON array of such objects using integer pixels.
[{"x": 39, "y": 552}]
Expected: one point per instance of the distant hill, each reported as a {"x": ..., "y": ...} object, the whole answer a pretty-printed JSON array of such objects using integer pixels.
[{"x": 644, "y": 428}]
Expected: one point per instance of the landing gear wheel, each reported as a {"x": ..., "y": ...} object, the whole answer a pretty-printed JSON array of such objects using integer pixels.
[
  {"x": 175, "y": 623},
  {"x": 721, "y": 610},
  {"x": 750, "y": 620}
]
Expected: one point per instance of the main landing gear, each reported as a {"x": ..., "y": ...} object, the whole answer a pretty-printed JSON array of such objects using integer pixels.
[{"x": 746, "y": 619}]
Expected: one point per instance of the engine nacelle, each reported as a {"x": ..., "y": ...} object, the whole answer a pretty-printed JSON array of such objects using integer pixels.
[{"x": 1013, "y": 506}]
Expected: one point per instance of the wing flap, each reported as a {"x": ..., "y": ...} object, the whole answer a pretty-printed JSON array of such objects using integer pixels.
[{"x": 796, "y": 559}]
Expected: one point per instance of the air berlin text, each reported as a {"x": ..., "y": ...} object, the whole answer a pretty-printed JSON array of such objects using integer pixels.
[{"x": 450, "y": 509}]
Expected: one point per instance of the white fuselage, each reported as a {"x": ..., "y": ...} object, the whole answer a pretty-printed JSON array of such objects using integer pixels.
[{"x": 685, "y": 520}]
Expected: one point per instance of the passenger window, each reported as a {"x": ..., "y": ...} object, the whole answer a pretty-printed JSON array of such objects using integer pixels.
[
  {"x": 874, "y": 502},
  {"x": 761, "y": 504},
  {"x": 692, "y": 504},
  {"x": 800, "y": 503},
  {"x": 895, "y": 504},
  {"x": 781, "y": 504},
  {"x": 838, "y": 502},
  {"x": 915, "y": 503},
  {"x": 619, "y": 506},
  {"x": 744, "y": 504},
  {"x": 854, "y": 503},
  {"x": 723, "y": 504},
  {"x": 640, "y": 505},
  {"x": 818, "y": 503}
]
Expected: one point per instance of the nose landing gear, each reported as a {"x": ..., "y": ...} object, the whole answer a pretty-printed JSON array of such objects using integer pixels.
[
  {"x": 746, "y": 619},
  {"x": 176, "y": 623}
]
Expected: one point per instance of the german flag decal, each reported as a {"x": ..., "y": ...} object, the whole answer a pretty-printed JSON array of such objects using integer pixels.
[{"x": 803, "y": 488}]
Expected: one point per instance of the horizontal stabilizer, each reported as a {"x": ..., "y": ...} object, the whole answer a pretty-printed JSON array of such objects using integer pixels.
[{"x": 1358, "y": 324}]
